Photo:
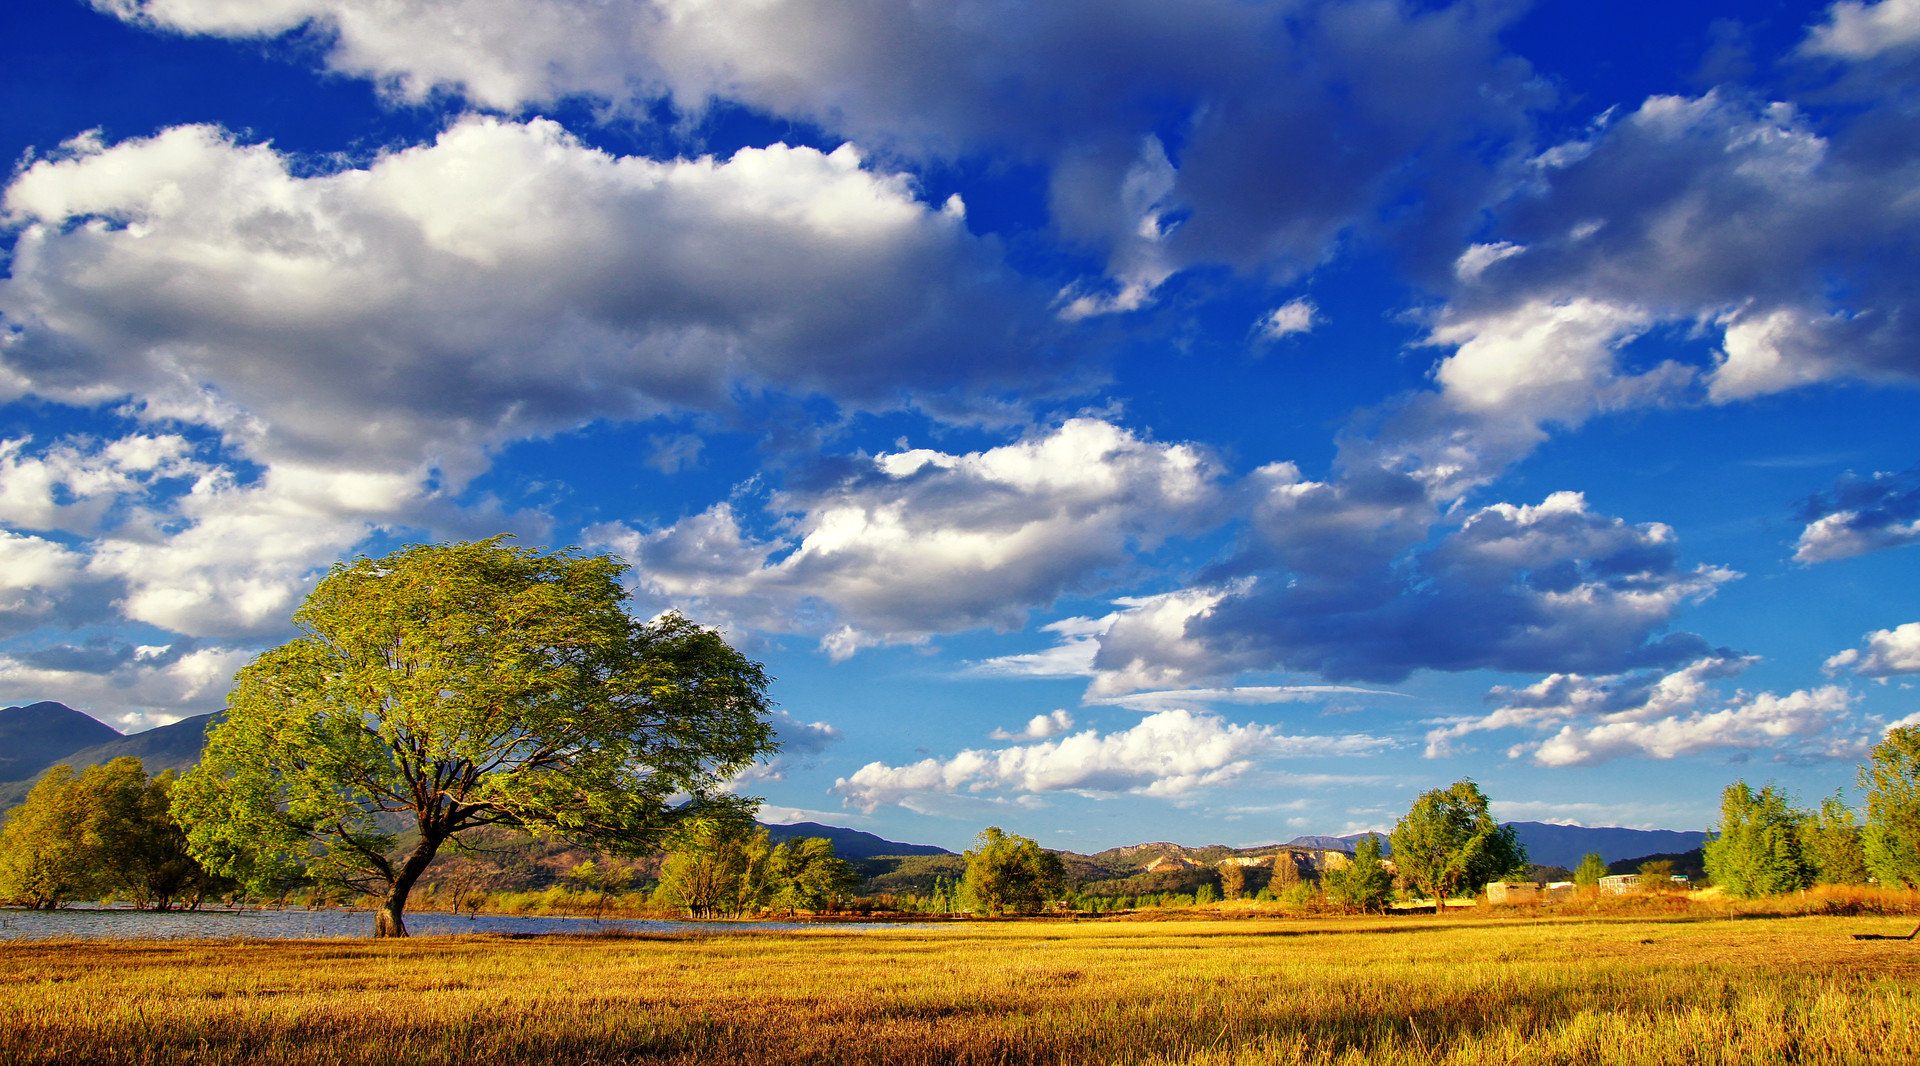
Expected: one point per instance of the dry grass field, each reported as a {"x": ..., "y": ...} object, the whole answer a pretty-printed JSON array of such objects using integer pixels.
[{"x": 1458, "y": 989}]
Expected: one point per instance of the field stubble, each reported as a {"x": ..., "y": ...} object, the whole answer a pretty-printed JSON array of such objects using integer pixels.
[{"x": 1376, "y": 991}]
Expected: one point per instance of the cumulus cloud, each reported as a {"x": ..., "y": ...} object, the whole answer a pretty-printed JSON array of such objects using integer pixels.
[
  {"x": 1888, "y": 652},
  {"x": 1168, "y": 754},
  {"x": 1858, "y": 516},
  {"x": 1765, "y": 720},
  {"x": 128, "y": 687},
  {"x": 1654, "y": 714},
  {"x": 1732, "y": 219},
  {"x": 502, "y": 282},
  {"x": 1386, "y": 98},
  {"x": 1294, "y": 316},
  {"x": 1039, "y": 727},
  {"x": 908, "y": 544},
  {"x": 1856, "y": 30},
  {"x": 1548, "y": 586}
]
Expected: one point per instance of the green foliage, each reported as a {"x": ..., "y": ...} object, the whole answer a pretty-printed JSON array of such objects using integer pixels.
[
  {"x": 1205, "y": 895},
  {"x": 1755, "y": 850},
  {"x": 1656, "y": 875},
  {"x": 1011, "y": 873},
  {"x": 1892, "y": 782},
  {"x": 1363, "y": 884},
  {"x": 48, "y": 855},
  {"x": 1592, "y": 869},
  {"x": 715, "y": 868},
  {"x": 449, "y": 687},
  {"x": 108, "y": 830},
  {"x": 1448, "y": 841},
  {"x": 805, "y": 875},
  {"x": 1830, "y": 839}
]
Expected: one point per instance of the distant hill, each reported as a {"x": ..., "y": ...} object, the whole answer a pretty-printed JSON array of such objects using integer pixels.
[
  {"x": 38, "y": 735},
  {"x": 1566, "y": 845},
  {"x": 167, "y": 747},
  {"x": 850, "y": 843}
]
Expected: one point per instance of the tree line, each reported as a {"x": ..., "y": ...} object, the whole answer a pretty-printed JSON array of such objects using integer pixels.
[{"x": 1765, "y": 845}]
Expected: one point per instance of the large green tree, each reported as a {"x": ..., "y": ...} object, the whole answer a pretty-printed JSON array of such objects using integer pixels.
[
  {"x": 1892, "y": 782},
  {"x": 1011, "y": 873},
  {"x": 447, "y": 687},
  {"x": 1448, "y": 841},
  {"x": 1756, "y": 848}
]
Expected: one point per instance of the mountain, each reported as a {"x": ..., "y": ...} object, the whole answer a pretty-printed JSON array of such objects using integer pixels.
[
  {"x": 38, "y": 735},
  {"x": 168, "y": 747},
  {"x": 1565, "y": 845},
  {"x": 850, "y": 843}
]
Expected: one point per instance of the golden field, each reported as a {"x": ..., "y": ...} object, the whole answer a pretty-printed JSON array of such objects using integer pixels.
[{"x": 1455, "y": 989}]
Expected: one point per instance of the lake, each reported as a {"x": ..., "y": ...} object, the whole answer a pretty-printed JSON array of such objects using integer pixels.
[{"x": 119, "y": 923}]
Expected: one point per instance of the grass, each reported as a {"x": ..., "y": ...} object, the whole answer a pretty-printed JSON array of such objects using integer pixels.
[{"x": 1460, "y": 989}]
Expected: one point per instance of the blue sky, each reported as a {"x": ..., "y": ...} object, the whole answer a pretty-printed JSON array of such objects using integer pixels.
[{"x": 1112, "y": 421}]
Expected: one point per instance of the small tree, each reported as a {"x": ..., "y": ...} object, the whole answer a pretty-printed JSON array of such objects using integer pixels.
[
  {"x": 1892, "y": 782},
  {"x": 1755, "y": 850},
  {"x": 49, "y": 849},
  {"x": 1011, "y": 873},
  {"x": 1830, "y": 839},
  {"x": 1233, "y": 879},
  {"x": 805, "y": 875},
  {"x": 1656, "y": 876},
  {"x": 1362, "y": 884},
  {"x": 1448, "y": 841},
  {"x": 448, "y": 687},
  {"x": 1592, "y": 869}
]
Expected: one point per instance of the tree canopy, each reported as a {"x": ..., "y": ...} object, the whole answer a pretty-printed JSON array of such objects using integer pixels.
[
  {"x": 1011, "y": 873},
  {"x": 1756, "y": 848},
  {"x": 108, "y": 830},
  {"x": 452, "y": 686},
  {"x": 1892, "y": 781},
  {"x": 1363, "y": 883},
  {"x": 1448, "y": 841}
]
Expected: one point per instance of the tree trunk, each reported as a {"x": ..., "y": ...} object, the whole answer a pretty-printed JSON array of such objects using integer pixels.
[{"x": 389, "y": 920}]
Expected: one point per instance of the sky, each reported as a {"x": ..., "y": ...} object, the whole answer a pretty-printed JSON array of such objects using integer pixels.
[{"x": 1212, "y": 422}]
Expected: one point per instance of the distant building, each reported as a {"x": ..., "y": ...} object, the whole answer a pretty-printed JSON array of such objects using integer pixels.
[
  {"x": 1513, "y": 892},
  {"x": 1619, "y": 883}
]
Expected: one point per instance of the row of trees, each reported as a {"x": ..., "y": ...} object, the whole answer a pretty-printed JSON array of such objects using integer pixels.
[
  {"x": 1765, "y": 845},
  {"x": 725, "y": 867},
  {"x": 107, "y": 832}
]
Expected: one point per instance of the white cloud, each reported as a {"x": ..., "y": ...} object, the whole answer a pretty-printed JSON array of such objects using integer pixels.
[
  {"x": 1515, "y": 587},
  {"x": 1861, "y": 515},
  {"x": 1294, "y": 316},
  {"x": 504, "y": 281},
  {"x": 1889, "y": 652},
  {"x": 1855, "y": 30},
  {"x": 1764, "y": 720},
  {"x": 130, "y": 688},
  {"x": 1168, "y": 754},
  {"x": 1384, "y": 98},
  {"x": 1039, "y": 727},
  {"x": 1558, "y": 698},
  {"x": 913, "y": 543}
]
